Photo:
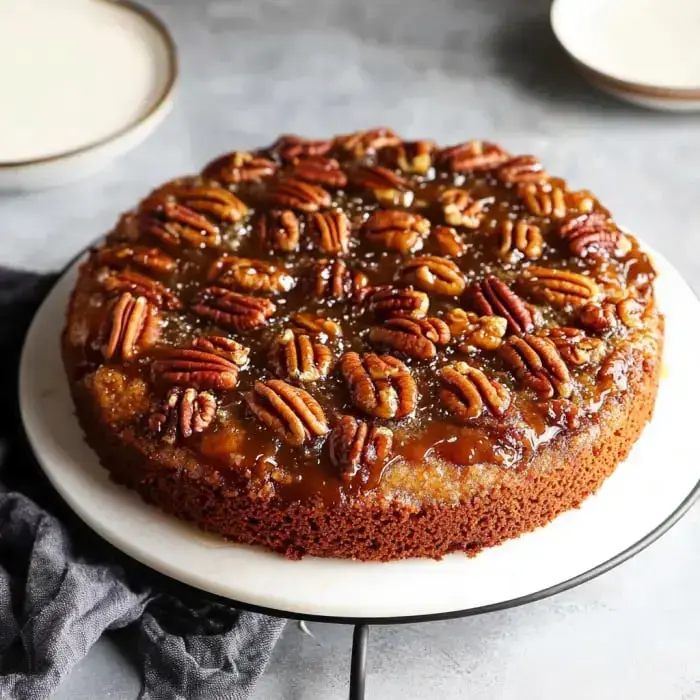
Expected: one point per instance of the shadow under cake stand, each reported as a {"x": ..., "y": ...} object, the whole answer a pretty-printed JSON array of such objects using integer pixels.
[{"x": 645, "y": 496}]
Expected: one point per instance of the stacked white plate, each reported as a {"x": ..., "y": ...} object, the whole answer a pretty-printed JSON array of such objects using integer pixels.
[
  {"x": 643, "y": 51},
  {"x": 82, "y": 82}
]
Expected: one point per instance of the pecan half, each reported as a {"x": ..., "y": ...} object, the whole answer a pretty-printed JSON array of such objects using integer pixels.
[
  {"x": 278, "y": 230},
  {"x": 184, "y": 412},
  {"x": 239, "y": 166},
  {"x": 152, "y": 259},
  {"x": 132, "y": 326},
  {"x": 289, "y": 147},
  {"x": 560, "y": 287},
  {"x": 543, "y": 200},
  {"x": 384, "y": 183},
  {"x": 476, "y": 332},
  {"x": 460, "y": 320},
  {"x": 356, "y": 447},
  {"x": 537, "y": 364},
  {"x": 630, "y": 311},
  {"x": 520, "y": 239},
  {"x": 228, "y": 348},
  {"x": 388, "y": 302},
  {"x": 461, "y": 209},
  {"x": 431, "y": 273},
  {"x": 319, "y": 170},
  {"x": 466, "y": 392},
  {"x": 412, "y": 156},
  {"x": 311, "y": 324},
  {"x": 250, "y": 275},
  {"x": 142, "y": 286},
  {"x": 397, "y": 230},
  {"x": 493, "y": 297},
  {"x": 289, "y": 411},
  {"x": 197, "y": 368},
  {"x": 592, "y": 234},
  {"x": 415, "y": 338},
  {"x": 332, "y": 279},
  {"x": 575, "y": 347},
  {"x": 521, "y": 169},
  {"x": 205, "y": 200},
  {"x": 598, "y": 318},
  {"x": 300, "y": 195},
  {"x": 298, "y": 356},
  {"x": 175, "y": 224},
  {"x": 601, "y": 318},
  {"x": 379, "y": 385},
  {"x": 361, "y": 143},
  {"x": 449, "y": 242},
  {"x": 231, "y": 309},
  {"x": 472, "y": 155},
  {"x": 331, "y": 231}
]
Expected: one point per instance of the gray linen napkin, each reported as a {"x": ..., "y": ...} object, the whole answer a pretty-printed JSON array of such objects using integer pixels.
[{"x": 61, "y": 587}]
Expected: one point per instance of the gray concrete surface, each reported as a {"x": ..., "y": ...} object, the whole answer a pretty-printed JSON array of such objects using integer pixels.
[{"x": 450, "y": 69}]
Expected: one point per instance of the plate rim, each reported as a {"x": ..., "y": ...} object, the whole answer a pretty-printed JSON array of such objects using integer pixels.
[{"x": 176, "y": 584}]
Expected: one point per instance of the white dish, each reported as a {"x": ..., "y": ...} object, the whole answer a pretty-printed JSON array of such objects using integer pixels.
[
  {"x": 84, "y": 81},
  {"x": 642, "y": 493},
  {"x": 643, "y": 51}
]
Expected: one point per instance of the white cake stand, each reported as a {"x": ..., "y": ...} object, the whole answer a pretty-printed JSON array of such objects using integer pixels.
[{"x": 643, "y": 498}]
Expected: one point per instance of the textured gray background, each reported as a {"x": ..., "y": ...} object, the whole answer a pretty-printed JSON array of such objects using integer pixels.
[{"x": 450, "y": 69}]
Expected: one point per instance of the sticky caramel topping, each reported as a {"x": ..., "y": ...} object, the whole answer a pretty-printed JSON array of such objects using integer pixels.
[{"x": 348, "y": 307}]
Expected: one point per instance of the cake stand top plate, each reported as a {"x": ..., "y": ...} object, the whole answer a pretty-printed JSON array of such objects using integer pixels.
[{"x": 640, "y": 501}]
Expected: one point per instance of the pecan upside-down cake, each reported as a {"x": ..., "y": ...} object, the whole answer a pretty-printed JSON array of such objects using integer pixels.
[{"x": 365, "y": 347}]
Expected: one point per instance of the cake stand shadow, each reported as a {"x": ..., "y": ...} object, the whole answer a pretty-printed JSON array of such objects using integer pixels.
[{"x": 576, "y": 547}]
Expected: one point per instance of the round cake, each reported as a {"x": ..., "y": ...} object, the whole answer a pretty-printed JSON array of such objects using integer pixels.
[{"x": 365, "y": 347}]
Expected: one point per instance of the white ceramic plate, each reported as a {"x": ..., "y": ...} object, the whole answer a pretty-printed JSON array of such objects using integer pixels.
[
  {"x": 643, "y": 51},
  {"x": 86, "y": 81},
  {"x": 642, "y": 493}
]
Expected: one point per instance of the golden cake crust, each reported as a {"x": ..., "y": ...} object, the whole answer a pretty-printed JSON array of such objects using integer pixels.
[{"x": 364, "y": 347}]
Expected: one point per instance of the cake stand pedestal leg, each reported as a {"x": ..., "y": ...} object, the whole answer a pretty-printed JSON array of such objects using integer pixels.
[{"x": 358, "y": 663}]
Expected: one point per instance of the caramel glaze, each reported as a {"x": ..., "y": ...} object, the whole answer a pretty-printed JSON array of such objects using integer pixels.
[{"x": 237, "y": 445}]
